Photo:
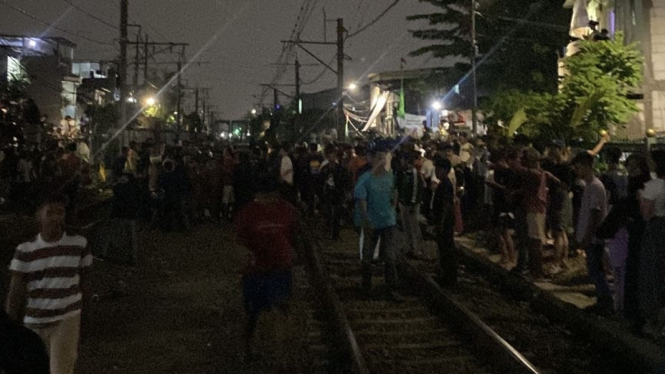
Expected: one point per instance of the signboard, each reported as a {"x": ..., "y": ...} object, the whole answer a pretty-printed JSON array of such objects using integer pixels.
[{"x": 412, "y": 124}]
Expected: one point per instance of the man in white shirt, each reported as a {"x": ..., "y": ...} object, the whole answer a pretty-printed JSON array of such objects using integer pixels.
[
  {"x": 593, "y": 211},
  {"x": 49, "y": 286},
  {"x": 286, "y": 167}
]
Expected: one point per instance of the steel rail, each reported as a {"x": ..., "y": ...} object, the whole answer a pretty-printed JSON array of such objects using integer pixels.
[
  {"x": 350, "y": 354},
  {"x": 495, "y": 350},
  {"x": 488, "y": 345}
]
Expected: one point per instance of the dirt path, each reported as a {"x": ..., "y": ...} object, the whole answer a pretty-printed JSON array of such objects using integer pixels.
[{"x": 180, "y": 311}]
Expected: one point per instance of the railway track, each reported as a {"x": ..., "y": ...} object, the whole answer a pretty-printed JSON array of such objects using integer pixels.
[{"x": 427, "y": 333}]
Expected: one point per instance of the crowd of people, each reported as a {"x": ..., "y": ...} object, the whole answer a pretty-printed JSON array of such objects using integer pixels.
[
  {"x": 525, "y": 198},
  {"x": 30, "y": 172}
]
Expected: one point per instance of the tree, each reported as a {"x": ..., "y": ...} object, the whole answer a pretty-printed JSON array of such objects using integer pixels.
[
  {"x": 517, "y": 41},
  {"x": 594, "y": 95}
]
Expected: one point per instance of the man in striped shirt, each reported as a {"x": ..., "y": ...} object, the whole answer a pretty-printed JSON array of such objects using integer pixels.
[{"x": 49, "y": 286}]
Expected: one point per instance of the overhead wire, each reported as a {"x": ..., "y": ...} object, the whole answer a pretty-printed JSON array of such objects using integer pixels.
[
  {"x": 323, "y": 71},
  {"x": 29, "y": 15},
  {"x": 287, "y": 51},
  {"x": 375, "y": 20},
  {"x": 98, "y": 19}
]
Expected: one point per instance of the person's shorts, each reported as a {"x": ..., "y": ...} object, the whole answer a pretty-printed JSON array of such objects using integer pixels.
[
  {"x": 505, "y": 220},
  {"x": 263, "y": 291},
  {"x": 555, "y": 212},
  {"x": 227, "y": 195},
  {"x": 536, "y": 225}
]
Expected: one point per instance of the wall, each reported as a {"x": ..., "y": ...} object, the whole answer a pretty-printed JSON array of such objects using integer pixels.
[
  {"x": 657, "y": 82},
  {"x": 46, "y": 76}
]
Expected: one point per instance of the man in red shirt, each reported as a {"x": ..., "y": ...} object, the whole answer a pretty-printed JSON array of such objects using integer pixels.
[{"x": 268, "y": 227}]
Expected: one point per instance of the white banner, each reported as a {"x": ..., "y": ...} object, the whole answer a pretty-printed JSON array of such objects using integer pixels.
[{"x": 413, "y": 124}]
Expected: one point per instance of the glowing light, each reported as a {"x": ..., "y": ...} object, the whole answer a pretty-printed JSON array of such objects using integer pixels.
[
  {"x": 150, "y": 101},
  {"x": 353, "y": 87},
  {"x": 253, "y": 111},
  {"x": 32, "y": 43},
  {"x": 436, "y": 105}
]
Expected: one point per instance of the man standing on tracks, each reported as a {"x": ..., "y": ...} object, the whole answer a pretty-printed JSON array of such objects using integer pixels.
[
  {"x": 49, "y": 286},
  {"x": 443, "y": 219},
  {"x": 375, "y": 193},
  {"x": 410, "y": 187},
  {"x": 268, "y": 227}
]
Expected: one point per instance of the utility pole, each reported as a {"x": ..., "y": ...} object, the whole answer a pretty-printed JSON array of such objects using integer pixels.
[
  {"x": 178, "y": 90},
  {"x": 275, "y": 99},
  {"x": 342, "y": 131},
  {"x": 340, "y": 126},
  {"x": 297, "y": 98},
  {"x": 474, "y": 111},
  {"x": 145, "y": 60},
  {"x": 136, "y": 60},
  {"x": 196, "y": 100},
  {"x": 122, "y": 73}
]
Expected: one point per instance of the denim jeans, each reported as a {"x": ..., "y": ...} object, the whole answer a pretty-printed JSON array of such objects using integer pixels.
[
  {"x": 594, "y": 263},
  {"x": 387, "y": 254}
]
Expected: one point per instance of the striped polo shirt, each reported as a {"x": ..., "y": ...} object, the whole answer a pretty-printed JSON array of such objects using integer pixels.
[{"x": 52, "y": 272}]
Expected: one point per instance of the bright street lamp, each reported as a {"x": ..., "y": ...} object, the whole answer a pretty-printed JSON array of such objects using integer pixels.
[
  {"x": 150, "y": 101},
  {"x": 352, "y": 87},
  {"x": 253, "y": 111},
  {"x": 436, "y": 105},
  {"x": 32, "y": 43}
]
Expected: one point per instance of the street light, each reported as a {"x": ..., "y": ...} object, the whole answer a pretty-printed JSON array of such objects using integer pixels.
[
  {"x": 436, "y": 105},
  {"x": 352, "y": 86},
  {"x": 150, "y": 101},
  {"x": 253, "y": 112},
  {"x": 32, "y": 43}
]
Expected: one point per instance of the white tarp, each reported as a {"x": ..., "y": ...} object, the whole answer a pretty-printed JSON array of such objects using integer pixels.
[
  {"x": 378, "y": 107},
  {"x": 579, "y": 24}
]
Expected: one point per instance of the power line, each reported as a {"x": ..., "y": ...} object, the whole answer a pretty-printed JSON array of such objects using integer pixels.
[
  {"x": 306, "y": 9},
  {"x": 25, "y": 13},
  {"x": 70, "y": 2},
  {"x": 375, "y": 20},
  {"x": 320, "y": 74}
]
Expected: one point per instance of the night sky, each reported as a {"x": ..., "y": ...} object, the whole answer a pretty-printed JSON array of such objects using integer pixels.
[{"x": 248, "y": 43}]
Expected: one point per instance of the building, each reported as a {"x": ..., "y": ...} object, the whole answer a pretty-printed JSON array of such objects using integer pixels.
[
  {"x": 445, "y": 99},
  {"x": 46, "y": 64},
  {"x": 641, "y": 21},
  {"x": 98, "y": 83}
]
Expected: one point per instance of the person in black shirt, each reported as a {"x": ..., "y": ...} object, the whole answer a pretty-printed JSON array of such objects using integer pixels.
[
  {"x": 559, "y": 212},
  {"x": 336, "y": 182},
  {"x": 244, "y": 182},
  {"x": 443, "y": 219},
  {"x": 503, "y": 215}
]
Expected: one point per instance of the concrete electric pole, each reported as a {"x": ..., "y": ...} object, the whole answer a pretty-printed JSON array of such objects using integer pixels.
[
  {"x": 474, "y": 111},
  {"x": 122, "y": 70},
  {"x": 342, "y": 131}
]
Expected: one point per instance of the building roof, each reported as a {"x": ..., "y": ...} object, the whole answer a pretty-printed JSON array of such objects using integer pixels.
[
  {"x": 54, "y": 39},
  {"x": 406, "y": 74}
]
